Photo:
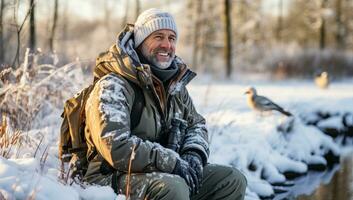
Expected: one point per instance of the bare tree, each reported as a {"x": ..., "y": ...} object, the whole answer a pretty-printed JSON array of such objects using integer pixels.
[
  {"x": 32, "y": 26},
  {"x": 322, "y": 29},
  {"x": 126, "y": 13},
  {"x": 280, "y": 21},
  {"x": 18, "y": 32},
  {"x": 65, "y": 24},
  {"x": 53, "y": 28},
  {"x": 19, "y": 29},
  {"x": 241, "y": 17},
  {"x": 249, "y": 34},
  {"x": 227, "y": 38},
  {"x": 196, "y": 33},
  {"x": 2, "y": 52},
  {"x": 138, "y": 8},
  {"x": 340, "y": 28},
  {"x": 203, "y": 33}
]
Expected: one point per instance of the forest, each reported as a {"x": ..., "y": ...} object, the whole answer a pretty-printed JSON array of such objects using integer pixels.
[{"x": 280, "y": 38}]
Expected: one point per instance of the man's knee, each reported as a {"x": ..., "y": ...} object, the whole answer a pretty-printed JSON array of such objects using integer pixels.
[
  {"x": 169, "y": 187},
  {"x": 231, "y": 183},
  {"x": 240, "y": 179},
  {"x": 221, "y": 172},
  {"x": 235, "y": 177}
]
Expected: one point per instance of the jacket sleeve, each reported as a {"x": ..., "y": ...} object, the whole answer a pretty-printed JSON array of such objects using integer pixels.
[
  {"x": 196, "y": 136},
  {"x": 108, "y": 119}
]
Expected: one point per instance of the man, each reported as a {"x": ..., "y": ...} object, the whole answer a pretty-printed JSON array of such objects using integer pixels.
[{"x": 160, "y": 150}]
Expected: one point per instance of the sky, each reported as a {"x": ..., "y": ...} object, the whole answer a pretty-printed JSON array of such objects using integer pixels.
[{"x": 272, "y": 6}]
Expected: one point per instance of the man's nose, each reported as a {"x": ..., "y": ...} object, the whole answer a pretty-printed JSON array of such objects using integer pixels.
[{"x": 166, "y": 43}]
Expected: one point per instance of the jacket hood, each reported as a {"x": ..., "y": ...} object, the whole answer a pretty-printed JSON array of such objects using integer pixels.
[{"x": 121, "y": 58}]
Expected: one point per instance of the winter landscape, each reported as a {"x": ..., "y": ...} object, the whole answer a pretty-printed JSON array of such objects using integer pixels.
[
  {"x": 277, "y": 47},
  {"x": 265, "y": 147}
]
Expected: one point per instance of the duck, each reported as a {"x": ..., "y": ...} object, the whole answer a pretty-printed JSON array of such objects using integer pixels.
[{"x": 322, "y": 80}]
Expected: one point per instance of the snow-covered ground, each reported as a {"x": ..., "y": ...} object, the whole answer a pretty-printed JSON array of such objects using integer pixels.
[
  {"x": 239, "y": 137},
  {"x": 252, "y": 142}
]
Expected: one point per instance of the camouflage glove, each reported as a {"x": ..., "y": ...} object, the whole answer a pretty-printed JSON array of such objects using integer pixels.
[
  {"x": 195, "y": 163},
  {"x": 183, "y": 169}
]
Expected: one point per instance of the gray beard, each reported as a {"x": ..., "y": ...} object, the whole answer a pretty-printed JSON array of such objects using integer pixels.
[
  {"x": 161, "y": 65},
  {"x": 153, "y": 60}
]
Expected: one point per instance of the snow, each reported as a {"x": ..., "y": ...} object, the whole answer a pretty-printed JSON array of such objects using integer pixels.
[
  {"x": 307, "y": 184},
  {"x": 239, "y": 137},
  {"x": 112, "y": 99},
  {"x": 22, "y": 178},
  {"x": 331, "y": 122},
  {"x": 99, "y": 193}
]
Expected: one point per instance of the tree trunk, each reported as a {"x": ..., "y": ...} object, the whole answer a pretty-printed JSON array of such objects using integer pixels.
[
  {"x": 108, "y": 10},
  {"x": 280, "y": 21},
  {"x": 2, "y": 51},
  {"x": 124, "y": 22},
  {"x": 322, "y": 37},
  {"x": 16, "y": 59},
  {"x": 227, "y": 38},
  {"x": 206, "y": 33},
  {"x": 197, "y": 28},
  {"x": 32, "y": 29},
  {"x": 19, "y": 29},
  {"x": 53, "y": 28},
  {"x": 340, "y": 29},
  {"x": 242, "y": 20},
  {"x": 138, "y": 9},
  {"x": 65, "y": 25}
]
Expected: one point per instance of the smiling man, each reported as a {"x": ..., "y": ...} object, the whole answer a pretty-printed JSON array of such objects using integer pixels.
[{"x": 142, "y": 130}]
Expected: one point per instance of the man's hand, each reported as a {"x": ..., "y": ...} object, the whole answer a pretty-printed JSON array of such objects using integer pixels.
[
  {"x": 195, "y": 163},
  {"x": 183, "y": 169}
]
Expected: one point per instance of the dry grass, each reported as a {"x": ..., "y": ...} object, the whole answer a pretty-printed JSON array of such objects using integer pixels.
[
  {"x": 8, "y": 139},
  {"x": 128, "y": 186},
  {"x": 30, "y": 96},
  {"x": 2, "y": 196},
  {"x": 43, "y": 159},
  {"x": 32, "y": 195},
  {"x": 38, "y": 146},
  {"x": 31, "y": 91}
]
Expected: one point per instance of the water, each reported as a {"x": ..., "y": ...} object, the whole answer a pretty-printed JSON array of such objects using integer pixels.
[{"x": 332, "y": 184}]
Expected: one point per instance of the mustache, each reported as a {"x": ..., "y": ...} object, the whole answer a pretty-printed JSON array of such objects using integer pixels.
[{"x": 164, "y": 50}]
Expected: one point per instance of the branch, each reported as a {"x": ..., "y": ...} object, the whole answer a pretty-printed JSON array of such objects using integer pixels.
[
  {"x": 27, "y": 14},
  {"x": 132, "y": 156}
]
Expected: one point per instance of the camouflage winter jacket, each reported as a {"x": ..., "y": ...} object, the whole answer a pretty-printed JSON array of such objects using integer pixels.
[{"x": 108, "y": 108}]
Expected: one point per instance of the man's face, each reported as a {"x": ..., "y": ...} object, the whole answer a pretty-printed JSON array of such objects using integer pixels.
[{"x": 159, "y": 48}]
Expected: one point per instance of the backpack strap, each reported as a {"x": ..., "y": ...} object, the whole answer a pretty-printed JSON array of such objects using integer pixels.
[{"x": 137, "y": 106}]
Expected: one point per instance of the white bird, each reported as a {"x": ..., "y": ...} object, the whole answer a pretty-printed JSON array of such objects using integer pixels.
[
  {"x": 261, "y": 103},
  {"x": 322, "y": 80}
]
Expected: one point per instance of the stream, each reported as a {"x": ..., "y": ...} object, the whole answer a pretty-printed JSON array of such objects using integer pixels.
[{"x": 335, "y": 183}]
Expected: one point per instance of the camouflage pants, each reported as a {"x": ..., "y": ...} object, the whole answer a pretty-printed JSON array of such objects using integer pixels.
[{"x": 219, "y": 182}]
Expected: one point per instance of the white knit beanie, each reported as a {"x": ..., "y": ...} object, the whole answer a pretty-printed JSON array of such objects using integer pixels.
[{"x": 152, "y": 20}]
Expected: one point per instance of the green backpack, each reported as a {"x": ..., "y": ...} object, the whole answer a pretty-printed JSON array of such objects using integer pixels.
[{"x": 73, "y": 147}]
